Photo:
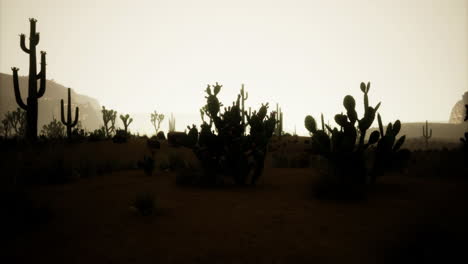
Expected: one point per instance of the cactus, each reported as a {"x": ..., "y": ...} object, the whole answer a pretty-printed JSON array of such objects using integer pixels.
[
  {"x": 342, "y": 148},
  {"x": 126, "y": 120},
  {"x": 156, "y": 120},
  {"x": 279, "y": 118},
  {"x": 109, "y": 116},
  {"x": 229, "y": 151},
  {"x": 244, "y": 96},
  {"x": 427, "y": 134},
  {"x": 388, "y": 153},
  {"x": 68, "y": 123},
  {"x": 31, "y": 107},
  {"x": 172, "y": 123}
]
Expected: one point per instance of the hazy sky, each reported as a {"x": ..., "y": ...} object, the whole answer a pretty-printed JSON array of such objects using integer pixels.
[{"x": 137, "y": 56}]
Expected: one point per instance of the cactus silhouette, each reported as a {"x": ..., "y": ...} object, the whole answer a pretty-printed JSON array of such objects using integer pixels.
[
  {"x": 427, "y": 134},
  {"x": 156, "y": 120},
  {"x": 69, "y": 123},
  {"x": 108, "y": 116},
  {"x": 31, "y": 107},
  {"x": 172, "y": 123},
  {"x": 244, "y": 96},
  {"x": 279, "y": 118},
  {"x": 342, "y": 148},
  {"x": 126, "y": 120}
]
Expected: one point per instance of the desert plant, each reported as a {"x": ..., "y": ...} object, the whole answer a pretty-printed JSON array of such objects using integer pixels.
[
  {"x": 53, "y": 130},
  {"x": 97, "y": 134},
  {"x": 5, "y": 128},
  {"x": 388, "y": 153},
  {"x": 172, "y": 123},
  {"x": 17, "y": 121},
  {"x": 279, "y": 124},
  {"x": 144, "y": 203},
  {"x": 121, "y": 136},
  {"x": 465, "y": 139},
  {"x": 126, "y": 120},
  {"x": 160, "y": 135},
  {"x": 109, "y": 116},
  {"x": 156, "y": 120},
  {"x": 192, "y": 138},
  {"x": 31, "y": 106},
  {"x": 427, "y": 134},
  {"x": 69, "y": 123},
  {"x": 343, "y": 150},
  {"x": 228, "y": 152},
  {"x": 153, "y": 143},
  {"x": 243, "y": 97}
]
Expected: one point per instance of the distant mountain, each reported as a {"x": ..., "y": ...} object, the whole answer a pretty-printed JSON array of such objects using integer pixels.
[{"x": 49, "y": 104}]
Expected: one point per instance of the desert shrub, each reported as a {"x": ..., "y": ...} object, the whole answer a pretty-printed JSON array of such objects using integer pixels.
[
  {"x": 54, "y": 130},
  {"x": 97, "y": 135},
  {"x": 153, "y": 143},
  {"x": 229, "y": 151},
  {"x": 144, "y": 203},
  {"x": 177, "y": 139},
  {"x": 161, "y": 135},
  {"x": 147, "y": 164},
  {"x": 121, "y": 136},
  {"x": 347, "y": 152}
]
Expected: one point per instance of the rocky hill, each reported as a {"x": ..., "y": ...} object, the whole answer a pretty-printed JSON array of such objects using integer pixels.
[{"x": 49, "y": 104}]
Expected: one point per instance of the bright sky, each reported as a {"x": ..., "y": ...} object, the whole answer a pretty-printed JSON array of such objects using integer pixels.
[{"x": 138, "y": 56}]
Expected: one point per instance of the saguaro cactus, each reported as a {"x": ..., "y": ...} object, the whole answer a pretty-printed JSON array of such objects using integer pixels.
[
  {"x": 279, "y": 119},
  {"x": 69, "y": 123},
  {"x": 427, "y": 134},
  {"x": 243, "y": 97},
  {"x": 31, "y": 107}
]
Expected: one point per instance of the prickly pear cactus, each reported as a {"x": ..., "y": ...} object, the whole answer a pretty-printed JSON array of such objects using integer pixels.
[{"x": 225, "y": 149}]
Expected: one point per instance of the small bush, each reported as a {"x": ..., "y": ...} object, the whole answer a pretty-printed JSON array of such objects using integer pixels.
[
  {"x": 144, "y": 203},
  {"x": 161, "y": 135},
  {"x": 97, "y": 135},
  {"x": 153, "y": 143},
  {"x": 121, "y": 136}
]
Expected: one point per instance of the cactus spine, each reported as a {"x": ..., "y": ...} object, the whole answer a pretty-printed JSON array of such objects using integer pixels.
[
  {"x": 31, "y": 107},
  {"x": 427, "y": 134},
  {"x": 69, "y": 123}
]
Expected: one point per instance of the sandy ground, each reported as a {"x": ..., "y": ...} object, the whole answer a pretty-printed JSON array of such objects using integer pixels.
[{"x": 405, "y": 220}]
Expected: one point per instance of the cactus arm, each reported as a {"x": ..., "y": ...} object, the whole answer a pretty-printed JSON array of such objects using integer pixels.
[
  {"x": 19, "y": 101},
  {"x": 379, "y": 119},
  {"x": 42, "y": 74},
  {"x": 23, "y": 43},
  {"x": 62, "y": 113},
  {"x": 323, "y": 122},
  {"x": 77, "y": 111}
]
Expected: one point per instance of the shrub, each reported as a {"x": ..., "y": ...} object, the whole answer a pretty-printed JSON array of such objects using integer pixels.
[
  {"x": 121, "y": 136},
  {"x": 346, "y": 150},
  {"x": 97, "y": 135},
  {"x": 153, "y": 143},
  {"x": 161, "y": 135}
]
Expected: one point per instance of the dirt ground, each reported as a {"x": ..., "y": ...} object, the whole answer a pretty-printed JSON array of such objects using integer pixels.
[{"x": 405, "y": 220}]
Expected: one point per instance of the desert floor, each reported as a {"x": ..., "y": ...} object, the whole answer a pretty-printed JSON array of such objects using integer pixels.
[{"x": 404, "y": 220}]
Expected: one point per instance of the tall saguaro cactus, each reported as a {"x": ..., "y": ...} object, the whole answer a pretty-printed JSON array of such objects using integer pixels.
[
  {"x": 427, "y": 134},
  {"x": 31, "y": 105},
  {"x": 69, "y": 123},
  {"x": 243, "y": 97}
]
